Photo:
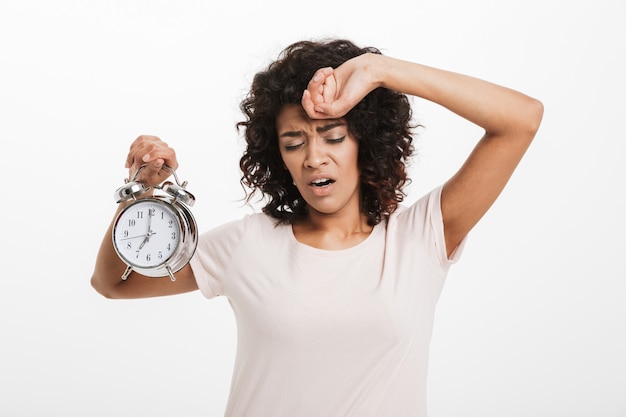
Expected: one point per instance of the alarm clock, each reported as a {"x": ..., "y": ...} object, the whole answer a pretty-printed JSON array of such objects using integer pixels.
[{"x": 155, "y": 236}]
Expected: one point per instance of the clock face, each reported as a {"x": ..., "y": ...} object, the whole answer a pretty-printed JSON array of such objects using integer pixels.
[{"x": 147, "y": 233}]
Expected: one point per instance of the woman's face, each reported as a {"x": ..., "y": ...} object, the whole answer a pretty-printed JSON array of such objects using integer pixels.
[{"x": 322, "y": 158}]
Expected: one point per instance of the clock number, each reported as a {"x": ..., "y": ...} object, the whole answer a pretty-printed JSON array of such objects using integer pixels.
[
  {"x": 140, "y": 214},
  {"x": 160, "y": 255},
  {"x": 173, "y": 235},
  {"x": 169, "y": 247},
  {"x": 171, "y": 223},
  {"x": 129, "y": 245},
  {"x": 125, "y": 233},
  {"x": 131, "y": 222},
  {"x": 148, "y": 257},
  {"x": 151, "y": 212}
]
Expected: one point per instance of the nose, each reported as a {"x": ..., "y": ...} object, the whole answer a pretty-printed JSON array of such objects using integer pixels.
[{"x": 316, "y": 156}]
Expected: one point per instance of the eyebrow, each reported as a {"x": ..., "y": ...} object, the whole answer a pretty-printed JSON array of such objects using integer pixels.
[{"x": 320, "y": 129}]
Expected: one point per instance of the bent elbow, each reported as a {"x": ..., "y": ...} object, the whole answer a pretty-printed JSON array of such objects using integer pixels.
[
  {"x": 103, "y": 290},
  {"x": 534, "y": 116}
]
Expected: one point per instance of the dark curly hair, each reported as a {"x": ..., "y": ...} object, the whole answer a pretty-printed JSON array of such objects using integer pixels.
[{"x": 381, "y": 123}]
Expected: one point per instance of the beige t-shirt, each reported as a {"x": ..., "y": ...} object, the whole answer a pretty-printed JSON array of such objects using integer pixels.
[{"x": 329, "y": 333}]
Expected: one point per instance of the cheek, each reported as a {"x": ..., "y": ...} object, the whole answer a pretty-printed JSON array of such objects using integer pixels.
[
  {"x": 352, "y": 160},
  {"x": 289, "y": 164}
]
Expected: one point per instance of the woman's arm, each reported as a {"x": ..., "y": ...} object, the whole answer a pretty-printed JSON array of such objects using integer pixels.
[
  {"x": 510, "y": 120},
  {"x": 106, "y": 278}
]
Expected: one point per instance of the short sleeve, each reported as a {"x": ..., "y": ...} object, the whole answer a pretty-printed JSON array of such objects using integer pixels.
[
  {"x": 214, "y": 254},
  {"x": 424, "y": 220},
  {"x": 436, "y": 223}
]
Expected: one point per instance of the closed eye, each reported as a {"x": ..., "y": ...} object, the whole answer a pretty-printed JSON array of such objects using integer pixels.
[
  {"x": 337, "y": 140},
  {"x": 293, "y": 147}
]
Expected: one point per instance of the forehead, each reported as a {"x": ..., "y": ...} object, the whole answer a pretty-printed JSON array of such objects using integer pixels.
[
  {"x": 293, "y": 116},
  {"x": 291, "y": 113}
]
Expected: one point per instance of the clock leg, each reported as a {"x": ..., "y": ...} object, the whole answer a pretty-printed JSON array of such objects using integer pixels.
[
  {"x": 127, "y": 272},
  {"x": 170, "y": 273}
]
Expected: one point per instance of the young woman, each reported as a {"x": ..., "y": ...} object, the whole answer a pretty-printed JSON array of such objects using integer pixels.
[{"x": 334, "y": 285}]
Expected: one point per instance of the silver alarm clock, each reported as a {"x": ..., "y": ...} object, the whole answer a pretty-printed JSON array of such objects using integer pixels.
[{"x": 155, "y": 236}]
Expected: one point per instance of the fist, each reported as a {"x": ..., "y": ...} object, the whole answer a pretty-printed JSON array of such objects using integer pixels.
[{"x": 153, "y": 153}]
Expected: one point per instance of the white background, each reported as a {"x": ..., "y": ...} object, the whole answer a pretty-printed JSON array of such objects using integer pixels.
[{"x": 531, "y": 322}]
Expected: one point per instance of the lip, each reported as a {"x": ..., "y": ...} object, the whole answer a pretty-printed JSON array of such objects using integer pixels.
[
  {"x": 320, "y": 177},
  {"x": 321, "y": 191}
]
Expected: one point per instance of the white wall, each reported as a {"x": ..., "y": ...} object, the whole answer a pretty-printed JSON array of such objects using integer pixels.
[{"x": 532, "y": 320}]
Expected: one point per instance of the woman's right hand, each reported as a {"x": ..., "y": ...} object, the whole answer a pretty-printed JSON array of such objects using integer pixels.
[{"x": 153, "y": 153}]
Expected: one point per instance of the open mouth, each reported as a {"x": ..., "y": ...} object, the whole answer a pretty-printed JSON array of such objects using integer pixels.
[{"x": 322, "y": 182}]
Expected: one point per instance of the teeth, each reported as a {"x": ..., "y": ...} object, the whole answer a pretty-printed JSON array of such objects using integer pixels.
[{"x": 321, "y": 181}]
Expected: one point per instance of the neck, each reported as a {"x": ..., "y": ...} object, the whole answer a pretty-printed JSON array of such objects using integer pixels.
[
  {"x": 332, "y": 231},
  {"x": 338, "y": 223}
]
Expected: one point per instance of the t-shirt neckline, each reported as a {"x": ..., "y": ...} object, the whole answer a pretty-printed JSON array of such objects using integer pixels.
[{"x": 296, "y": 244}]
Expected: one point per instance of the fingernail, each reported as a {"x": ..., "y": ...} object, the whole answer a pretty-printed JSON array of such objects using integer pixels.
[{"x": 146, "y": 157}]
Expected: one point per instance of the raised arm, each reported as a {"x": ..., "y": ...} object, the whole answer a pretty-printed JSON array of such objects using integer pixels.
[
  {"x": 106, "y": 278},
  {"x": 510, "y": 120}
]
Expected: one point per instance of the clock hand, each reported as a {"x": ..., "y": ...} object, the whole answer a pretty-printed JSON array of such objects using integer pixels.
[
  {"x": 133, "y": 237},
  {"x": 148, "y": 232},
  {"x": 147, "y": 238}
]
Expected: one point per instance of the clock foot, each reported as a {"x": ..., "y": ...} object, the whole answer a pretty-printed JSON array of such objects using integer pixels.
[
  {"x": 127, "y": 272},
  {"x": 170, "y": 273}
]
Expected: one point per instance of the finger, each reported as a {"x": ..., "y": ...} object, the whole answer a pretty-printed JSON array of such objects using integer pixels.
[
  {"x": 312, "y": 110},
  {"x": 329, "y": 89},
  {"x": 139, "y": 148},
  {"x": 335, "y": 109},
  {"x": 307, "y": 103},
  {"x": 151, "y": 153},
  {"x": 157, "y": 156},
  {"x": 316, "y": 85},
  {"x": 152, "y": 173},
  {"x": 343, "y": 101},
  {"x": 147, "y": 149},
  {"x": 320, "y": 89},
  {"x": 319, "y": 78}
]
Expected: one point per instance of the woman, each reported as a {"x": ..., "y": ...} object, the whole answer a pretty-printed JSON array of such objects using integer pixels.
[{"x": 334, "y": 285}]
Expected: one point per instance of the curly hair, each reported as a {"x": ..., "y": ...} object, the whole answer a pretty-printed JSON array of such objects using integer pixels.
[{"x": 381, "y": 123}]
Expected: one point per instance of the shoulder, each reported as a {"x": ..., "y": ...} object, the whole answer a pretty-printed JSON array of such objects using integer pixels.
[
  {"x": 238, "y": 225},
  {"x": 223, "y": 246},
  {"x": 423, "y": 213},
  {"x": 420, "y": 225},
  {"x": 235, "y": 230}
]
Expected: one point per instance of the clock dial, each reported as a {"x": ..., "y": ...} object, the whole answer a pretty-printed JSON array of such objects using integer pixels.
[{"x": 147, "y": 233}]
